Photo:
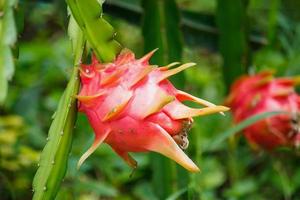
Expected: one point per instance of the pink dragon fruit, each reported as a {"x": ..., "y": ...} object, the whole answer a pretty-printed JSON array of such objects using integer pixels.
[
  {"x": 251, "y": 95},
  {"x": 134, "y": 108}
]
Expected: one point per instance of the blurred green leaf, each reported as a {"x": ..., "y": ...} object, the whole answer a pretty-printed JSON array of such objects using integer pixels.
[
  {"x": 199, "y": 28},
  {"x": 144, "y": 191},
  {"x": 99, "y": 188},
  {"x": 273, "y": 21},
  {"x": 267, "y": 59},
  {"x": 214, "y": 174},
  {"x": 233, "y": 41},
  {"x": 239, "y": 127},
  {"x": 283, "y": 180},
  {"x": 241, "y": 189},
  {"x": 177, "y": 194},
  {"x": 161, "y": 30}
]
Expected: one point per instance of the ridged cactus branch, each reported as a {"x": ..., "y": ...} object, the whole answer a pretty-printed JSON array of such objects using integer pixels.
[
  {"x": 54, "y": 158},
  {"x": 8, "y": 37},
  {"x": 99, "y": 33}
]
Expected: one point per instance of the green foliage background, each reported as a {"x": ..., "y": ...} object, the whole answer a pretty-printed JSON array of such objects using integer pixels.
[{"x": 231, "y": 170}]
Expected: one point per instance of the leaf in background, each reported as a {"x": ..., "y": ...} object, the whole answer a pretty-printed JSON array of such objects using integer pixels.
[
  {"x": 144, "y": 191},
  {"x": 100, "y": 188},
  {"x": 273, "y": 21},
  {"x": 199, "y": 28},
  {"x": 54, "y": 158},
  {"x": 239, "y": 127},
  {"x": 177, "y": 194},
  {"x": 233, "y": 38},
  {"x": 8, "y": 37},
  {"x": 161, "y": 30},
  {"x": 98, "y": 32}
]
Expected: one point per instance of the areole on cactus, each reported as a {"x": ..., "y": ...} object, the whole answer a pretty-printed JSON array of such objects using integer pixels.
[
  {"x": 251, "y": 95},
  {"x": 132, "y": 106}
]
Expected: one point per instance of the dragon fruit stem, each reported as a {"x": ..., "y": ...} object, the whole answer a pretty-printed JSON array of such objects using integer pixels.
[
  {"x": 99, "y": 33},
  {"x": 54, "y": 157}
]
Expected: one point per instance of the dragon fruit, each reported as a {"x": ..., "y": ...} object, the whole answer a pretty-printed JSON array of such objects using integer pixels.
[
  {"x": 132, "y": 106},
  {"x": 251, "y": 95}
]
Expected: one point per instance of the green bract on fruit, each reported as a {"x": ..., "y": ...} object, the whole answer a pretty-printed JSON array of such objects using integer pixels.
[
  {"x": 251, "y": 95},
  {"x": 134, "y": 108}
]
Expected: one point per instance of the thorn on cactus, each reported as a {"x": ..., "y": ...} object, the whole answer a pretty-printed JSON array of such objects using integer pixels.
[{"x": 132, "y": 106}]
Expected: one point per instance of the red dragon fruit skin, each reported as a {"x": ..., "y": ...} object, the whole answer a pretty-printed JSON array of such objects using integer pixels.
[
  {"x": 251, "y": 95},
  {"x": 132, "y": 106}
]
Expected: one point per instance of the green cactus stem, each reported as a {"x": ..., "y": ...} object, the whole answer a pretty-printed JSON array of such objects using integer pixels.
[
  {"x": 8, "y": 37},
  {"x": 99, "y": 33},
  {"x": 54, "y": 158}
]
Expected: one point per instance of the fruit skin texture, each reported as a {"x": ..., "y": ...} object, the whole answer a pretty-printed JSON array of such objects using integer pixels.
[
  {"x": 134, "y": 108},
  {"x": 251, "y": 95}
]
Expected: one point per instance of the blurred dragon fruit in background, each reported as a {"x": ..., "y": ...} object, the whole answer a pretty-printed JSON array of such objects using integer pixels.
[
  {"x": 251, "y": 95},
  {"x": 132, "y": 106}
]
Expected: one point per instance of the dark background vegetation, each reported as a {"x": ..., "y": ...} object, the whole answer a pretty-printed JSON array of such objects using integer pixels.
[{"x": 225, "y": 39}]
